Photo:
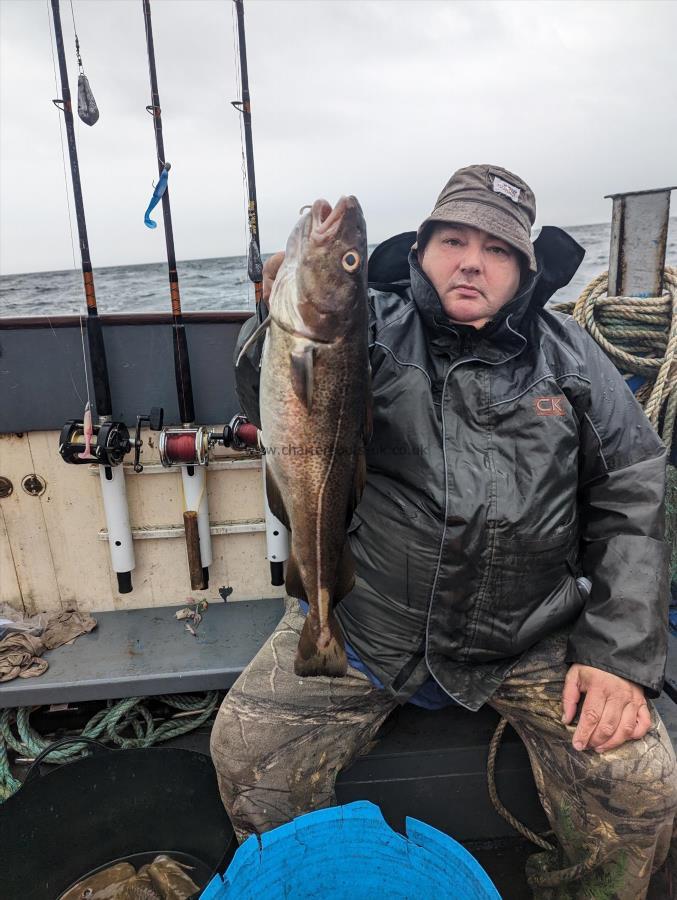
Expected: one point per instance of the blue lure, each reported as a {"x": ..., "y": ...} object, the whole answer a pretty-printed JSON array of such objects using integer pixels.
[{"x": 160, "y": 188}]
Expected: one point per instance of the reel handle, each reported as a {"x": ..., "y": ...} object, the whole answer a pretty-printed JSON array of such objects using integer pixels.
[{"x": 155, "y": 418}]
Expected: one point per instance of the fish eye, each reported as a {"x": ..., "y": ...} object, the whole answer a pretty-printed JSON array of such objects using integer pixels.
[{"x": 351, "y": 261}]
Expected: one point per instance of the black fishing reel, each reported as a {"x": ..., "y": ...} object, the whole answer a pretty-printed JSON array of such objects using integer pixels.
[
  {"x": 108, "y": 445},
  {"x": 109, "y": 442}
]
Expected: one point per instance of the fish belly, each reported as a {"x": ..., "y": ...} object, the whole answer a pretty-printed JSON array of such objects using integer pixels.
[{"x": 311, "y": 459}]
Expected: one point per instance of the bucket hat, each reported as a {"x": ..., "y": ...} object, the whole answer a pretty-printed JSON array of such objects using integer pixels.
[{"x": 490, "y": 198}]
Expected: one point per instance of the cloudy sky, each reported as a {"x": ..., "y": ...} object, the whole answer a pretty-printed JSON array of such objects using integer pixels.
[{"x": 379, "y": 98}]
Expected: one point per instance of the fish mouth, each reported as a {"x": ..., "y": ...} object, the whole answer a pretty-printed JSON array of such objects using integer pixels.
[{"x": 325, "y": 221}]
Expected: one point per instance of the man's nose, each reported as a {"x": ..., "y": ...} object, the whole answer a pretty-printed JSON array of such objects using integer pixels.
[{"x": 472, "y": 260}]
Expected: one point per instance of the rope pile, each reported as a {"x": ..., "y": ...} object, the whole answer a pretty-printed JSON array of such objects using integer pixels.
[
  {"x": 639, "y": 335},
  {"x": 131, "y": 715}
]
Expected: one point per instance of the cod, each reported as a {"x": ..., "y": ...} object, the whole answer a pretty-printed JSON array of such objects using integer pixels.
[{"x": 315, "y": 414}]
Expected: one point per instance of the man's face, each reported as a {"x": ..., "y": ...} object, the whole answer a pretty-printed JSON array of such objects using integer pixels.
[{"x": 473, "y": 272}]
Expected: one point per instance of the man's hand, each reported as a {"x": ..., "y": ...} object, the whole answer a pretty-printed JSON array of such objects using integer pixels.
[
  {"x": 270, "y": 269},
  {"x": 614, "y": 710}
]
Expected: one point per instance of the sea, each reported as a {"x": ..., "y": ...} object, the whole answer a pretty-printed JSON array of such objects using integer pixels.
[{"x": 219, "y": 283}]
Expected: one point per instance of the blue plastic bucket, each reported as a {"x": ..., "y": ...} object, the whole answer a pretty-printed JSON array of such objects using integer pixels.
[{"x": 350, "y": 853}]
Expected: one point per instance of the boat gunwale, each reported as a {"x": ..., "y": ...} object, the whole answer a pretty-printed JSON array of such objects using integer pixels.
[{"x": 9, "y": 323}]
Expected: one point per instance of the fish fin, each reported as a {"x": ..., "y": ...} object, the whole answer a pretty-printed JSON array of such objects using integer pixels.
[
  {"x": 253, "y": 337},
  {"x": 275, "y": 501},
  {"x": 302, "y": 365},
  {"x": 292, "y": 579},
  {"x": 311, "y": 659},
  {"x": 345, "y": 573}
]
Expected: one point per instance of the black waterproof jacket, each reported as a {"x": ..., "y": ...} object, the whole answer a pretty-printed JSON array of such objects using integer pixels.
[{"x": 504, "y": 463}]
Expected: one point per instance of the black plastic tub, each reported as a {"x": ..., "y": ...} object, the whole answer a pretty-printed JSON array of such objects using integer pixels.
[{"x": 113, "y": 805}]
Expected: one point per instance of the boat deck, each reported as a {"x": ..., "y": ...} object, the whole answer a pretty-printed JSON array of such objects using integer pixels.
[
  {"x": 429, "y": 765},
  {"x": 142, "y": 652}
]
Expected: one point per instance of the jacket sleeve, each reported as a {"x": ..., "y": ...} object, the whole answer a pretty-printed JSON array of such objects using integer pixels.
[
  {"x": 623, "y": 626},
  {"x": 247, "y": 374}
]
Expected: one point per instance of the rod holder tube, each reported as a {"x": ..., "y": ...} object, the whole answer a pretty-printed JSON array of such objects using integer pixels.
[
  {"x": 194, "y": 479},
  {"x": 277, "y": 537},
  {"x": 117, "y": 522}
]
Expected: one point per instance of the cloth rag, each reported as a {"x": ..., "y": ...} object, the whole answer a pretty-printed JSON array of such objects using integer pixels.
[{"x": 20, "y": 653}]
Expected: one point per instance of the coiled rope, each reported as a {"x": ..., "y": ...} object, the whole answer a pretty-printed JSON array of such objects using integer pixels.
[
  {"x": 109, "y": 724},
  {"x": 639, "y": 335},
  {"x": 535, "y": 879}
]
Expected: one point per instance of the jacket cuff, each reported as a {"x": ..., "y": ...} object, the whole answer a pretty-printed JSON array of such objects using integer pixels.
[{"x": 623, "y": 626}]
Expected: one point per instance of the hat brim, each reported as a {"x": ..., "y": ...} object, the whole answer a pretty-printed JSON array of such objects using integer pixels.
[{"x": 479, "y": 214}]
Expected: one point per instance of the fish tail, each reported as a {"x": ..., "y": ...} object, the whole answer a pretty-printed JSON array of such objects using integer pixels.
[{"x": 328, "y": 659}]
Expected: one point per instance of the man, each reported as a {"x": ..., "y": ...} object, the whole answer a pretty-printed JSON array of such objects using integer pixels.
[{"x": 508, "y": 459}]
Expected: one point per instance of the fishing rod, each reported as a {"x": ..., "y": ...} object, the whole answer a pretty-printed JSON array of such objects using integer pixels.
[
  {"x": 277, "y": 536},
  {"x": 243, "y": 106},
  {"x": 186, "y": 446},
  {"x": 81, "y": 442}
]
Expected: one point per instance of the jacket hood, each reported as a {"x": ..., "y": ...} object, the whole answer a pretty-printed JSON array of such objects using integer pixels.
[{"x": 558, "y": 256}]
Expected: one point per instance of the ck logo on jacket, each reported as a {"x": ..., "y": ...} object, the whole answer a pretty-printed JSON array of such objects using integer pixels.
[{"x": 549, "y": 406}]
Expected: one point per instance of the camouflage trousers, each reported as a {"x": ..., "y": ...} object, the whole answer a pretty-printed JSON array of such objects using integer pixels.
[{"x": 279, "y": 742}]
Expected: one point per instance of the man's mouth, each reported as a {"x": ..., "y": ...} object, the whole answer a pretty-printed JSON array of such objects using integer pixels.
[{"x": 467, "y": 290}]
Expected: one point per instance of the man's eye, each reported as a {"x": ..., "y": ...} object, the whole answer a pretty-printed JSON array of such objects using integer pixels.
[
  {"x": 498, "y": 251},
  {"x": 453, "y": 242}
]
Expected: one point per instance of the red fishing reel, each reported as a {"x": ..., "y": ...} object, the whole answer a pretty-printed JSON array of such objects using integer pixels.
[
  {"x": 190, "y": 446},
  {"x": 239, "y": 434},
  {"x": 184, "y": 446}
]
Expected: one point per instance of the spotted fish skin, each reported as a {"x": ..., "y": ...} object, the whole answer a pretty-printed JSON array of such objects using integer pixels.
[{"x": 315, "y": 410}]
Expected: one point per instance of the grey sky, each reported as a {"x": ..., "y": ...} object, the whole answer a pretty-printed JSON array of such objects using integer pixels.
[{"x": 382, "y": 99}]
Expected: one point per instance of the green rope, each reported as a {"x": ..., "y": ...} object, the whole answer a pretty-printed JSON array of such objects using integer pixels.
[{"x": 109, "y": 724}]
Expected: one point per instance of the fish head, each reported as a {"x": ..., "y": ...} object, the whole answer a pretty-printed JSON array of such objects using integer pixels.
[{"x": 321, "y": 289}]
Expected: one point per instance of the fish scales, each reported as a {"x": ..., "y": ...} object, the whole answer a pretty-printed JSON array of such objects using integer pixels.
[{"x": 314, "y": 409}]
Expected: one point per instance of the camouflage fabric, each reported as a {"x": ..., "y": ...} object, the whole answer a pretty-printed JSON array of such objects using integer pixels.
[
  {"x": 279, "y": 741},
  {"x": 612, "y": 812}
]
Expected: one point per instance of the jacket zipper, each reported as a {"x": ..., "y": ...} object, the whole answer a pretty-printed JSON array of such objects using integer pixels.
[{"x": 451, "y": 368}]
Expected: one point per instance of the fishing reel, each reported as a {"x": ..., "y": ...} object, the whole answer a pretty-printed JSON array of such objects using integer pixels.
[
  {"x": 190, "y": 446},
  {"x": 239, "y": 434},
  {"x": 108, "y": 445}
]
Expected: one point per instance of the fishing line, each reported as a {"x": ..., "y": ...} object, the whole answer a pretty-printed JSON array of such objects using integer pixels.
[
  {"x": 80, "y": 67},
  {"x": 77, "y": 42},
  {"x": 70, "y": 224}
]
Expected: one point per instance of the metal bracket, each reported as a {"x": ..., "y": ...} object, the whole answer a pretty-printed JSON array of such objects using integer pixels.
[{"x": 639, "y": 234}]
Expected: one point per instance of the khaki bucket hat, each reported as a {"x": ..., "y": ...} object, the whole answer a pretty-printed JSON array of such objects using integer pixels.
[{"x": 490, "y": 198}]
